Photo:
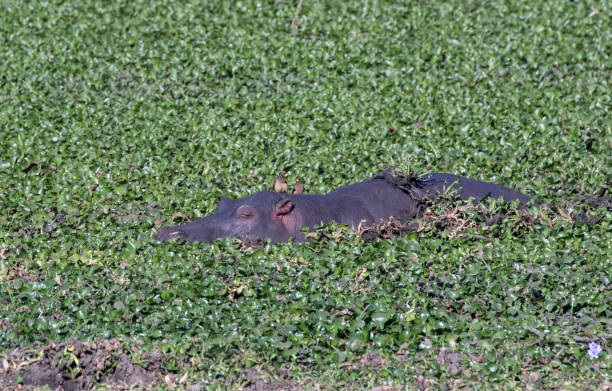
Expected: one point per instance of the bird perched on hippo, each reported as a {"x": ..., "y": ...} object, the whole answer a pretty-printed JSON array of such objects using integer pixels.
[
  {"x": 280, "y": 183},
  {"x": 279, "y": 216},
  {"x": 298, "y": 188}
]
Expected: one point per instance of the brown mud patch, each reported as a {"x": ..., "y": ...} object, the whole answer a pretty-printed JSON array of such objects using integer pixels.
[
  {"x": 77, "y": 366},
  {"x": 270, "y": 385},
  {"x": 451, "y": 360},
  {"x": 259, "y": 380},
  {"x": 19, "y": 273},
  {"x": 54, "y": 220}
]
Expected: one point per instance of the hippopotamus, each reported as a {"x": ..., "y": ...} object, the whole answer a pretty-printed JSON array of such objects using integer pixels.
[{"x": 279, "y": 216}]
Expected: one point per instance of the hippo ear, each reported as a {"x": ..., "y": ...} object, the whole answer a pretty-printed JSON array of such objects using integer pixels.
[{"x": 283, "y": 207}]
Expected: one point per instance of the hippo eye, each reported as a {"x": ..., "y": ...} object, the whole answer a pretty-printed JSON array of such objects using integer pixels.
[{"x": 245, "y": 212}]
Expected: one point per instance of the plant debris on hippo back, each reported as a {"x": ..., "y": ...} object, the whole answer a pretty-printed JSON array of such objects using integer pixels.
[{"x": 279, "y": 216}]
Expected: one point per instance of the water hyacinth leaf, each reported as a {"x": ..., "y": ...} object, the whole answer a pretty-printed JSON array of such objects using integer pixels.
[{"x": 122, "y": 117}]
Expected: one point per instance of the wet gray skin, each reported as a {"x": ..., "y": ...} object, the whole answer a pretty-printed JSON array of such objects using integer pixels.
[{"x": 279, "y": 217}]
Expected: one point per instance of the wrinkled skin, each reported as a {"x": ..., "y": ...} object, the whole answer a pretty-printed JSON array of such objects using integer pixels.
[{"x": 279, "y": 217}]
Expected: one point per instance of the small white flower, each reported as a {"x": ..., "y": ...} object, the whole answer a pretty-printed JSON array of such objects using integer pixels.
[{"x": 594, "y": 350}]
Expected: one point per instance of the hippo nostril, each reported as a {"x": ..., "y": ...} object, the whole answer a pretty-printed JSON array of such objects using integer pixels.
[{"x": 168, "y": 233}]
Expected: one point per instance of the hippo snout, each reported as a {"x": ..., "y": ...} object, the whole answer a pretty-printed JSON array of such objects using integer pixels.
[
  {"x": 206, "y": 229},
  {"x": 169, "y": 232}
]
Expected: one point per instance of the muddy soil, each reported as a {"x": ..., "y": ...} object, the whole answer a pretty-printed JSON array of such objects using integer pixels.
[{"x": 77, "y": 365}]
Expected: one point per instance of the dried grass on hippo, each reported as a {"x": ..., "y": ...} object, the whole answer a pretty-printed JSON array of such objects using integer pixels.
[{"x": 279, "y": 216}]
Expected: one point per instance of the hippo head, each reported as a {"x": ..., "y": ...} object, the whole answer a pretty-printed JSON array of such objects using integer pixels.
[{"x": 260, "y": 216}]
